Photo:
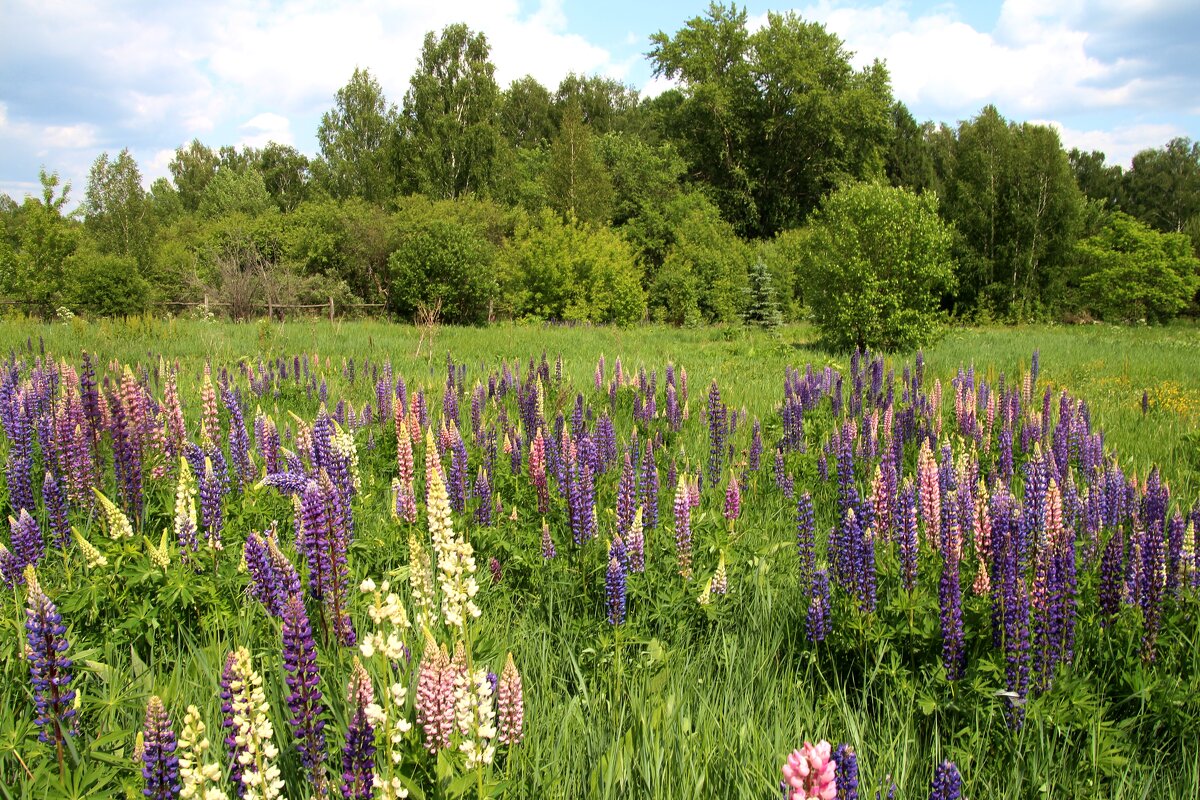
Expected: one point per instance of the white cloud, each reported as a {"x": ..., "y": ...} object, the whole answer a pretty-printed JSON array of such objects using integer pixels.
[
  {"x": 1119, "y": 144},
  {"x": 262, "y": 129}
]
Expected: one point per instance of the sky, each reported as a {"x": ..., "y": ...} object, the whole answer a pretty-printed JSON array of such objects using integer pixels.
[{"x": 78, "y": 79}]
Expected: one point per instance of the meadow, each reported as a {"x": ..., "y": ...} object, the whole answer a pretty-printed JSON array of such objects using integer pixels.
[{"x": 723, "y": 543}]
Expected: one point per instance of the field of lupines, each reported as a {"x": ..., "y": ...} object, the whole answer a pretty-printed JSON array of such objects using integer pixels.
[{"x": 300, "y": 561}]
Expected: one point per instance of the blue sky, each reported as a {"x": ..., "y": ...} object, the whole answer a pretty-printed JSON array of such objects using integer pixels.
[{"x": 78, "y": 79}]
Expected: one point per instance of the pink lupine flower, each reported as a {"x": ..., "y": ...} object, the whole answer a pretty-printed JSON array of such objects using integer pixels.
[{"x": 808, "y": 773}]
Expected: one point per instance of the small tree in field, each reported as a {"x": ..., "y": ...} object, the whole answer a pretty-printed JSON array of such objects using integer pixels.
[
  {"x": 762, "y": 306},
  {"x": 875, "y": 265}
]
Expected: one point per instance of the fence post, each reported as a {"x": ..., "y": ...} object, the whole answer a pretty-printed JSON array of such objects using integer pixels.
[
  {"x": 206, "y": 303},
  {"x": 331, "y": 308}
]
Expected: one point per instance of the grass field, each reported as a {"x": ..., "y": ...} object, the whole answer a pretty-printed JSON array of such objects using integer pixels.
[{"x": 683, "y": 699}]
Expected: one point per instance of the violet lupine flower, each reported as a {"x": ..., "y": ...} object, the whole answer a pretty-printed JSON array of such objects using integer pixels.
[
  {"x": 483, "y": 491},
  {"x": 614, "y": 583},
  {"x": 160, "y": 765},
  {"x": 1112, "y": 570},
  {"x": 733, "y": 499},
  {"x": 683, "y": 527},
  {"x": 806, "y": 543},
  {"x": 324, "y": 548},
  {"x": 28, "y": 545},
  {"x": 56, "y": 510},
  {"x": 847, "y": 772},
  {"x": 49, "y": 668},
  {"x": 810, "y": 773},
  {"x": 304, "y": 698},
  {"x": 1150, "y": 590},
  {"x": 947, "y": 783},
  {"x": 648, "y": 489},
  {"x": 19, "y": 467},
  {"x": 548, "y": 550},
  {"x": 817, "y": 622},
  {"x": 950, "y": 601},
  {"x": 457, "y": 477},
  {"x": 239, "y": 440},
  {"x": 510, "y": 704},
  {"x": 756, "y": 445},
  {"x": 1175, "y": 563},
  {"x": 717, "y": 429},
  {"x": 907, "y": 537},
  {"x": 212, "y": 493}
]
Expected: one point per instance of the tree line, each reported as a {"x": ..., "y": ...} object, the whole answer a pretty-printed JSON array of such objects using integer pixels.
[{"x": 773, "y": 171}]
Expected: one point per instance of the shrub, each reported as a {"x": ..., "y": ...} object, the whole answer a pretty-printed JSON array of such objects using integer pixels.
[
  {"x": 875, "y": 265},
  {"x": 107, "y": 285},
  {"x": 446, "y": 260}
]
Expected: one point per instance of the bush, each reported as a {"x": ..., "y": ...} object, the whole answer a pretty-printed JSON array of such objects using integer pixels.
[
  {"x": 107, "y": 285},
  {"x": 875, "y": 265},
  {"x": 1133, "y": 272},
  {"x": 448, "y": 261},
  {"x": 567, "y": 271}
]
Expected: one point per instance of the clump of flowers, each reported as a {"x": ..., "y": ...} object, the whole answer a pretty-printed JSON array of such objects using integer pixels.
[
  {"x": 809, "y": 773},
  {"x": 250, "y": 740},
  {"x": 455, "y": 556},
  {"x": 49, "y": 668},
  {"x": 199, "y": 778}
]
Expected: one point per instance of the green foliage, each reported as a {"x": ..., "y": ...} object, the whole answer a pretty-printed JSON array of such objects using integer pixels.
[
  {"x": 450, "y": 137},
  {"x": 117, "y": 211},
  {"x": 762, "y": 303},
  {"x": 752, "y": 103},
  {"x": 703, "y": 276},
  {"x": 577, "y": 183},
  {"x": 1132, "y": 272},
  {"x": 106, "y": 285},
  {"x": 32, "y": 263},
  {"x": 356, "y": 139},
  {"x": 191, "y": 169},
  {"x": 235, "y": 192},
  {"x": 444, "y": 261},
  {"x": 874, "y": 267},
  {"x": 525, "y": 114},
  {"x": 1162, "y": 187},
  {"x": 569, "y": 271}
]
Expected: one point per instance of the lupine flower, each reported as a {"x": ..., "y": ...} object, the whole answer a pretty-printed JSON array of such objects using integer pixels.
[
  {"x": 809, "y": 773},
  {"x": 614, "y": 583},
  {"x": 847, "y": 772},
  {"x": 28, "y": 546},
  {"x": 733, "y": 499},
  {"x": 114, "y": 518},
  {"x": 806, "y": 545},
  {"x": 56, "y": 510},
  {"x": 537, "y": 471},
  {"x": 648, "y": 488},
  {"x": 304, "y": 697},
  {"x": 199, "y": 778},
  {"x": 635, "y": 543},
  {"x": 435, "y": 696},
  {"x": 510, "y": 704},
  {"x": 160, "y": 765},
  {"x": 91, "y": 556},
  {"x": 160, "y": 554},
  {"x": 252, "y": 751},
  {"x": 358, "y": 754},
  {"x": 717, "y": 429},
  {"x": 455, "y": 556},
  {"x": 210, "y": 427},
  {"x": 683, "y": 528},
  {"x": 474, "y": 712},
  {"x": 817, "y": 621},
  {"x": 950, "y": 597},
  {"x": 947, "y": 783},
  {"x": 420, "y": 579},
  {"x": 720, "y": 580},
  {"x": 626, "y": 497},
  {"x": 49, "y": 668}
]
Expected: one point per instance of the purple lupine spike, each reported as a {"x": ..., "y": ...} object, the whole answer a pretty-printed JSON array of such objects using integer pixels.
[
  {"x": 907, "y": 536},
  {"x": 1150, "y": 590},
  {"x": 288, "y": 483},
  {"x": 717, "y": 428},
  {"x": 49, "y": 668},
  {"x": 756, "y": 445},
  {"x": 847, "y": 772},
  {"x": 947, "y": 783},
  {"x": 950, "y": 603},
  {"x": 457, "y": 478},
  {"x": 56, "y": 510},
  {"x": 19, "y": 468},
  {"x": 212, "y": 487},
  {"x": 358, "y": 752},
  {"x": 626, "y": 497},
  {"x": 160, "y": 765},
  {"x": 648, "y": 489},
  {"x": 304, "y": 699},
  {"x": 1175, "y": 564},
  {"x": 614, "y": 583},
  {"x": 28, "y": 544},
  {"x": 127, "y": 458},
  {"x": 806, "y": 544},
  {"x": 262, "y": 573},
  {"x": 483, "y": 491},
  {"x": 817, "y": 621},
  {"x": 233, "y": 748},
  {"x": 1112, "y": 570},
  {"x": 239, "y": 440},
  {"x": 733, "y": 499},
  {"x": 683, "y": 528}
]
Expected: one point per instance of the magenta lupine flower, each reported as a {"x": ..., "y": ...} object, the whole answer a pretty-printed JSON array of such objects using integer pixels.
[
  {"x": 510, "y": 704},
  {"x": 49, "y": 668},
  {"x": 358, "y": 754},
  {"x": 626, "y": 499},
  {"x": 160, "y": 765},
  {"x": 304, "y": 698},
  {"x": 683, "y": 528},
  {"x": 537, "y": 471},
  {"x": 809, "y": 773},
  {"x": 733, "y": 499}
]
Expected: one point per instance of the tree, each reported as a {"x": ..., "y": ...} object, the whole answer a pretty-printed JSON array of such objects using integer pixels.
[
  {"x": 604, "y": 104},
  {"x": 450, "y": 137},
  {"x": 117, "y": 214},
  {"x": 191, "y": 169},
  {"x": 908, "y": 161},
  {"x": 107, "y": 285},
  {"x": 1096, "y": 179},
  {"x": 33, "y": 270},
  {"x": 1131, "y": 271},
  {"x": 577, "y": 183},
  {"x": 233, "y": 192},
  {"x": 1163, "y": 185},
  {"x": 526, "y": 114},
  {"x": 447, "y": 261},
  {"x": 285, "y": 174},
  {"x": 1011, "y": 194},
  {"x": 762, "y": 302},
  {"x": 875, "y": 265},
  {"x": 774, "y": 119},
  {"x": 356, "y": 137}
]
